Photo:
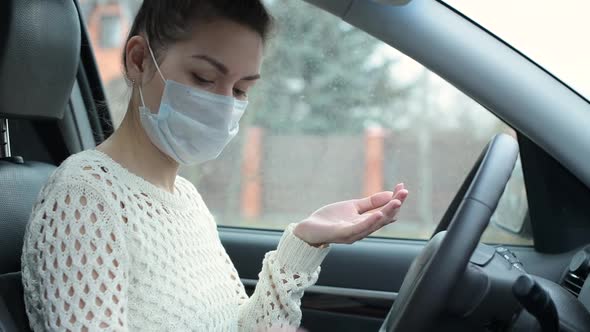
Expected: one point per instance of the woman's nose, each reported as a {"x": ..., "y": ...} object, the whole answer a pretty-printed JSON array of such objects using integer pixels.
[{"x": 224, "y": 90}]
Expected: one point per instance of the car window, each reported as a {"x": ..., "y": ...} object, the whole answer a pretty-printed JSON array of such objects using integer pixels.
[
  {"x": 551, "y": 33},
  {"x": 337, "y": 115}
]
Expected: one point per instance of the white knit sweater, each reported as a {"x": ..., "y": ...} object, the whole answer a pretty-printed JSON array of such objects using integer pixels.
[{"x": 106, "y": 250}]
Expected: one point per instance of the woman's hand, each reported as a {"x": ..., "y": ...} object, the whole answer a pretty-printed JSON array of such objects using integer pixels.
[{"x": 353, "y": 220}]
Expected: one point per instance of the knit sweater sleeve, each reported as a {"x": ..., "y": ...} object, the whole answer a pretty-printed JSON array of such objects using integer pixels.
[
  {"x": 286, "y": 273},
  {"x": 75, "y": 261}
]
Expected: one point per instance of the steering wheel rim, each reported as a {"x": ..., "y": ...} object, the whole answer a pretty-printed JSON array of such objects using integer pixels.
[{"x": 435, "y": 272}]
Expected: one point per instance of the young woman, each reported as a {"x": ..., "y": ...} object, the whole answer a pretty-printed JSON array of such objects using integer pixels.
[{"x": 118, "y": 241}]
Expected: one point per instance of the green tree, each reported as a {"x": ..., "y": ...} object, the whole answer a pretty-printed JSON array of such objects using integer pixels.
[{"x": 320, "y": 75}]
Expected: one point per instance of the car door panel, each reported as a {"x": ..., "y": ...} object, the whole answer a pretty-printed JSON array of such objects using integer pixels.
[
  {"x": 356, "y": 287},
  {"x": 359, "y": 282},
  {"x": 382, "y": 263}
]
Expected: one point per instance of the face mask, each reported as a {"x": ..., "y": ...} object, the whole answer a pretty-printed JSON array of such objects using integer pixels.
[{"x": 192, "y": 125}]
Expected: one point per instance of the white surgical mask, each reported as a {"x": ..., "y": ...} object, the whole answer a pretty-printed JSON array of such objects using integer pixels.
[{"x": 192, "y": 125}]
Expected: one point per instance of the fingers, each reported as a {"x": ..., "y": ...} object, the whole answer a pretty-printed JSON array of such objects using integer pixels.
[
  {"x": 397, "y": 188},
  {"x": 378, "y": 200},
  {"x": 401, "y": 195},
  {"x": 388, "y": 203},
  {"x": 350, "y": 233},
  {"x": 390, "y": 209},
  {"x": 400, "y": 192},
  {"x": 370, "y": 230},
  {"x": 389, "y": 212},
  {"x": 372, "y": 202},
  {"x": 371, "y": 222}
]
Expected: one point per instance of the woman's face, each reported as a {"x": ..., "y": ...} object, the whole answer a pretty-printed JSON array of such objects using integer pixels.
[{"x": 221, "y": 57}]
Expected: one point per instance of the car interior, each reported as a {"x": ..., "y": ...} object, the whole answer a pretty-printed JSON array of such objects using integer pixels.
[{"x": 52, "y": 106}]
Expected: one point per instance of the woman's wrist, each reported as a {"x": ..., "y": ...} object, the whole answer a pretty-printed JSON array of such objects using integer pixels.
[
  {"x": 297, "y": 232},
  {"x": 295, "y": 254}
]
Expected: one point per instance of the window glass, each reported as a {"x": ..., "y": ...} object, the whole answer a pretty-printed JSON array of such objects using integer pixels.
[
  {"x": 339, "y": 115},
  {"x": 110, "y": 31},
  {"x": 551, "y": 33}
]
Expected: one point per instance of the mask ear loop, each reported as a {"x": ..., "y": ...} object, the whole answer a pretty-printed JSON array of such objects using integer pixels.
[
  {"x": 154, "y": 59},
  {"x": 157, "y": 67},
  {"x": 140, "y": 93}
]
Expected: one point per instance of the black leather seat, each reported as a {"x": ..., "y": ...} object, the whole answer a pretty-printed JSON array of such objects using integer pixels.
[{"x": 39, "y": 57}]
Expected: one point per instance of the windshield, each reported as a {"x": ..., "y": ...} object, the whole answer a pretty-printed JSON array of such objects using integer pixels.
[{"x": 553, "y": 34}]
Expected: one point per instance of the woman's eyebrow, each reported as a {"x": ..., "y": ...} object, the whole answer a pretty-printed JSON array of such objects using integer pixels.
[{"x": 223, "y": 68}]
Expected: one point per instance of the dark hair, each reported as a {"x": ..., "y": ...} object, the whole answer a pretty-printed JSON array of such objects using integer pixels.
[{"x": 169, "y": 21}]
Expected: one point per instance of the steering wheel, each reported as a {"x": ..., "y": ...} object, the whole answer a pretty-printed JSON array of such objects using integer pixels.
[{"x": 433, "y": 275}]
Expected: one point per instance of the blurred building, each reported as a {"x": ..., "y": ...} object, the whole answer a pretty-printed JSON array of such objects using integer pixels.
[{"x": 108, "y": 23}]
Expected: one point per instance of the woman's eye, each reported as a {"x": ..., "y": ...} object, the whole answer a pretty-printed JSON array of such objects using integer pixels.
[
  {"x": 201, "y": 80},
  {"x": 240, "y": 93}
]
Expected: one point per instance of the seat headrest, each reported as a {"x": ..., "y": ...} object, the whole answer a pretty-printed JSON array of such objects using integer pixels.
[
  {"x": 20, "y": 185},
  {"x": 39, "y": 56}
]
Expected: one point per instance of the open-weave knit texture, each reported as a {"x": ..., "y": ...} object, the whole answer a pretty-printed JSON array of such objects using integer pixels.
[{"x": 106, "y": 250}]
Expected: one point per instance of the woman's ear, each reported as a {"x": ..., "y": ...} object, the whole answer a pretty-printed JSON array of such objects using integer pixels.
[{"x": 135, "y": 55}]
